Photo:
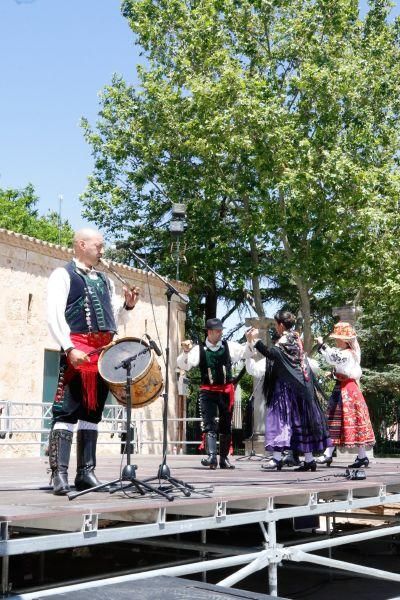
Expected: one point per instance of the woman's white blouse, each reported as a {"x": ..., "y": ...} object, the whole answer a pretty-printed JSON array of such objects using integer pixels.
[{"x": 344, "y": 361}]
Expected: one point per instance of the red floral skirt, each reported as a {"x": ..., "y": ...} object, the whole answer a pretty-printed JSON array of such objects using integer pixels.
[{"x": 348, "y": 416}]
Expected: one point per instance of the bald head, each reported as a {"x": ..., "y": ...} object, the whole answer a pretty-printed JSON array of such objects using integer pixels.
[
  {"x": 88, "y": 246},
  {"x": 86, "y": 233}
]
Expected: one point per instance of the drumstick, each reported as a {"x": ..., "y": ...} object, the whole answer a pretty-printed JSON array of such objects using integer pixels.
[
  {"x": 118, "y": 276},
  {"x": 98, "y": 350}
]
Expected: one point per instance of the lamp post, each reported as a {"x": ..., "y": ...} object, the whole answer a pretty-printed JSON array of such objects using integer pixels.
[
  {"x": 177, "y": 226},
  {"x": 60, "y": 201}
]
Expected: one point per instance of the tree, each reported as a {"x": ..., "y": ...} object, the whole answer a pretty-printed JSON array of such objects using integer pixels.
[
  {"x": 276, "y": 122},
  {"x": 18, "y": 213}
]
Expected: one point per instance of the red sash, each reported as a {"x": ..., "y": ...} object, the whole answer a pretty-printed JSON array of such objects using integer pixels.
[
  {"x": 88, "y": 342},
  {"x": 226, "y": 388}
]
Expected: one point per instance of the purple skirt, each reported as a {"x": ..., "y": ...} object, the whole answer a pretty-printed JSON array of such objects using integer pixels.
[{"x": 289, "y": 424}]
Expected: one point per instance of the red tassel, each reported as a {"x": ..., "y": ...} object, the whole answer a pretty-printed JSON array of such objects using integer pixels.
[
  {"x": 231, "y": 448},
  {"x": 89, "y": 386},
  {"x": 202, "y": 444}
]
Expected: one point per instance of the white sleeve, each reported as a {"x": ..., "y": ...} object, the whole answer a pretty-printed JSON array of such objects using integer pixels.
[
  {"x": 188, "y": 360},
  {"x": 57, "y": 295},
  {"x": 342, "y": 360},
  {"x": 121, "y": 315},
  {"x": 236, "y": 351},
  {"x": 334, "y": 356},
  {"x": 250, "y": 351},
  {"x": 255, "y": 368}
]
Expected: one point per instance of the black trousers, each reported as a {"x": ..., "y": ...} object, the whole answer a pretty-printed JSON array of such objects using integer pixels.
[
  {"x": 213, "y": 405},
  {"x": 68, "y": 406}
]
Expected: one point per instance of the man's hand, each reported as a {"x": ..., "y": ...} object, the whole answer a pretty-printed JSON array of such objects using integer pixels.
[
  {"x": 252, "y": 334},
  {"x": 131, "y": 296},
  {"x": 320, "y": 340},
  {"x": 77, "y": 357}
]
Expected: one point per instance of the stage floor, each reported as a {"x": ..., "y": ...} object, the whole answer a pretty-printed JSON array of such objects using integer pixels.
[
  {"x": 33, "y": 520},
  {"x": 26, "y": 497}
]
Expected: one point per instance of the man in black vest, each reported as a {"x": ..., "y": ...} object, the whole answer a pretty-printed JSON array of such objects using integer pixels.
[
  {"x": 83, "y": 311},
  {"x": 214, "y": 358}
]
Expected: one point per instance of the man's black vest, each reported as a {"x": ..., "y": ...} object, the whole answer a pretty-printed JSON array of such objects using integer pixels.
[
  {"x": 215, "y": 366},
  {"x": 89, "y": 305}
]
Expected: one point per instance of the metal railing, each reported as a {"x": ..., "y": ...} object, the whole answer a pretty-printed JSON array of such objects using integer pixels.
[{"x": 35, "y": 427}]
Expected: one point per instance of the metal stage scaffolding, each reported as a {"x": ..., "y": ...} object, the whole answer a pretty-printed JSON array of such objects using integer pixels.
[{"x": 245, "y": 496}]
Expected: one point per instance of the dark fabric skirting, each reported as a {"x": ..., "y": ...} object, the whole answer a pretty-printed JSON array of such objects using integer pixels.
[{"x": 290, "y": 423}]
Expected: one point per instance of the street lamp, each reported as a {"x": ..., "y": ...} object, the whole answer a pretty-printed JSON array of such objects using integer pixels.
[{"x": 177, "y": 227}]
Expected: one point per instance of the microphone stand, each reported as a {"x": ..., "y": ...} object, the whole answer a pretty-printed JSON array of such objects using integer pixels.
[
  {"x": 129, "y": 471},
  {"x": 164, "y": 472}
]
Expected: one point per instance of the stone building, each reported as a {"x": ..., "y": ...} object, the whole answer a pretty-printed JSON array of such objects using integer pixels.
[{"x": 29, "y": 355}]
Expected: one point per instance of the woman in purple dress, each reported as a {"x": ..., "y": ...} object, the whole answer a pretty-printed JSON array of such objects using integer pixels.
[{"x": 295, "y": 419}]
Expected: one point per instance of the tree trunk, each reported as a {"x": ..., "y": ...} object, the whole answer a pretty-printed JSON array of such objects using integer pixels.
[
  {"x": 255, "y": 281},
  {"x": 258, "y": 305},
  {"x": 210, "y": 309},
  {"x": 301, "y": 285},
  {"x": 306, "y": 312}
]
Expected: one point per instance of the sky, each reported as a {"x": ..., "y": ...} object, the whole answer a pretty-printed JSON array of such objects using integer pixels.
[{"x": 55, "y": 57}]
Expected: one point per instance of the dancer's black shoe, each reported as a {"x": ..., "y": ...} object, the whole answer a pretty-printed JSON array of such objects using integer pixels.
[
  {"x": 272, "y": 465},
  {"x": 308, "y": 466},
  {"x": 224, "y": 463},
  {"x": 324, "y": 460},
  {"x": 359, "y": 462},
  {"x": 290, "y": 460}
]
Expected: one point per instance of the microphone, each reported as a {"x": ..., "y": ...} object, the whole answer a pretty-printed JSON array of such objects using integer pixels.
[{"x": 153, "y": 345}]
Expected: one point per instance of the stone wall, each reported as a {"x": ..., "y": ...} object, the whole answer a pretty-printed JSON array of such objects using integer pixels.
[{"x": 25, "y": 265}]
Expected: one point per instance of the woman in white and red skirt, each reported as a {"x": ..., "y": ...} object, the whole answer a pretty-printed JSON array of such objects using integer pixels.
[{"x": 348, "y": 417}]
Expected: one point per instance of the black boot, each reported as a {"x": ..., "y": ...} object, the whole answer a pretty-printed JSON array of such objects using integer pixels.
[
  {"x": 60, "y": 442},
  {"x": 211, "y": 460},
  {"x": 86, "y": 442},
  {"x": 224, "y": 445}
]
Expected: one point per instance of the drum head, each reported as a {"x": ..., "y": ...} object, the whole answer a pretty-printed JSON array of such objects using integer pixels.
[{"x": 123, "y": 349}]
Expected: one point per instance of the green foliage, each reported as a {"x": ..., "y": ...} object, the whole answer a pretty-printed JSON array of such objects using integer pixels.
[
  {"x": 276, "y": 123},
  {"x": 18, "y": 213},
  {"x": 378, "y": 334}
]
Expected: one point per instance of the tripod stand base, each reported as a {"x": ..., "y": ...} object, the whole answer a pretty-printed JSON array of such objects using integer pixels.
[
  {"x": 129, "y": 472},
  {"x": 164, "y": 474},
  {"x": 164, "y": 471},
  {"x": 251, "y": 455},
  {"x": 253, "y": 448},
  {"x": 128, "y": 475}
]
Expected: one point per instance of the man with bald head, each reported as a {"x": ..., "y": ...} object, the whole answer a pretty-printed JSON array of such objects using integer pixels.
[{"x": 83, "y": 311}]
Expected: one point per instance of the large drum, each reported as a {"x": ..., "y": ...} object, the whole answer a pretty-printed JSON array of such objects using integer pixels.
[{"x": 147, "y": 381}]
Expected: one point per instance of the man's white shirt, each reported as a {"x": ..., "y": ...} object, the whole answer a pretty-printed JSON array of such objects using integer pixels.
[{"x": 191, "y": 359}]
